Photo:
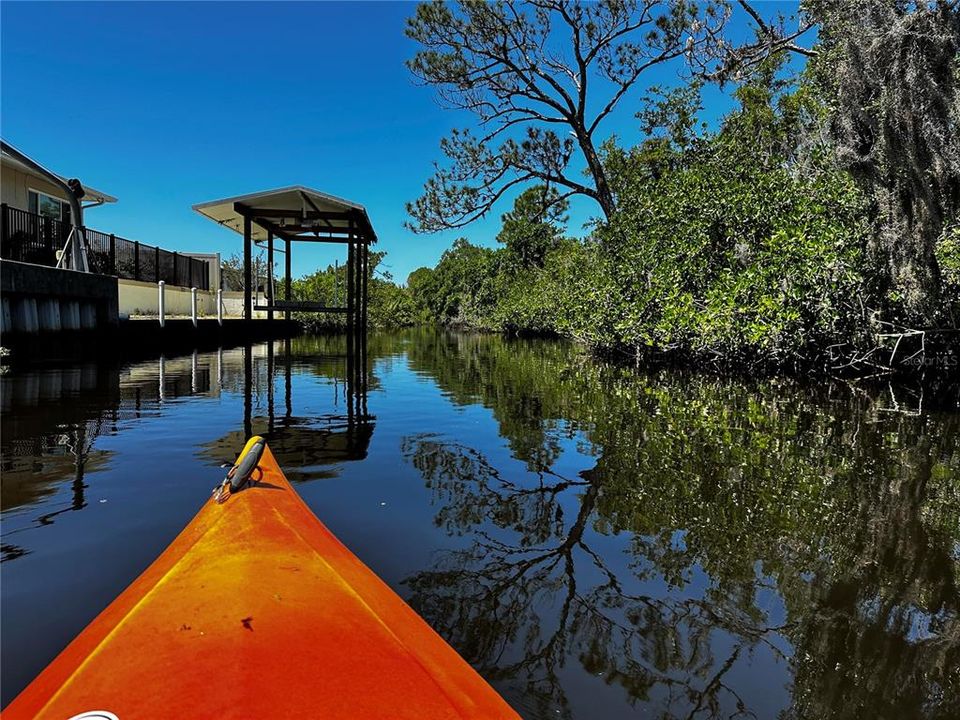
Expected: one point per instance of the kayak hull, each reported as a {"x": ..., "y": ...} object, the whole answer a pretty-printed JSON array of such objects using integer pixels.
[{"x": 257, "y": 610}]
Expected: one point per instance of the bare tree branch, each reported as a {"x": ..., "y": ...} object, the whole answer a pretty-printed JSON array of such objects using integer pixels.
[{"x": 505, "y": 62}]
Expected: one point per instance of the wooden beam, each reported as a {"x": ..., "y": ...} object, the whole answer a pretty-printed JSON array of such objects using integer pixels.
[
  {"x": 270, "y": 227},
  {"x": 270, "y": 275},
  {"x": 294, "y": 228},
  {"x": 302, "y": 305},
  {"x": 361, "y": 223},
  {"x": 247, "y": 390},
  {"x": 294, "y": 232},
  {"x": 365, "y": 252},
  {"x": 314, "y": 206},
  {"x": 247, "y": 269},
  {"x": 277, "y": 213},
  {"x": 286, "y": 281},
  {"x": 351, "y": 270},
  {"x": 310, "y": 238}
]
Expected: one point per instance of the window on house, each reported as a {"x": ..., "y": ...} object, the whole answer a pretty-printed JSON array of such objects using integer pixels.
[{"x": 48, "y": 206}]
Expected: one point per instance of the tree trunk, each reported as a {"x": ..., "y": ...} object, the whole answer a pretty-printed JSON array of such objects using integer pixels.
[{"x": 604, "y": 196}]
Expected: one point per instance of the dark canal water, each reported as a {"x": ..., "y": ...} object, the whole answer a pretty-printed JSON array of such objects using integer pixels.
[{"x": 597, "y": 543}]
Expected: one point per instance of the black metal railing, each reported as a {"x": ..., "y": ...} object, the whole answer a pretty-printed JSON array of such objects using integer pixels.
[{"x": 32, "y": 238}]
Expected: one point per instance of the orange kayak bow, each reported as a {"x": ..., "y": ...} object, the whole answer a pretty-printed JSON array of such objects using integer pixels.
[{"x": 256, "y": 610}]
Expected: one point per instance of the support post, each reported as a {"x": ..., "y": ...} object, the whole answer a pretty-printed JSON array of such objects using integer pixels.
[
  {"x": 247, "y": 390},
  {"x": 161, "y": 304},
  {"x": 351, "y": 286},
  {"x": 336, "y": 283},
  {"x": 351, "y": 329},
  {"x": 365, "y": 250},
  {"x": 287, "y": 382},
  {"x": 247, "y": 270},
  {"x": 220, "y": 306},
  {"x": 271, "y": 369},
  {"x": 365, "y": 253},
  {"x": 113, "y": 254},
  {"x": 270, "y": 276},
  {"x": 286, "y": 275},
  {"x": 193, "y": 305},
  {"x": 193, "y": 372},
  {"x": 162, "y": 379}
]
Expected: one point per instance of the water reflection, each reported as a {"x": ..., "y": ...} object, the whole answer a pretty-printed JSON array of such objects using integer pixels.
[
  {"x": 308, "y": 446},
  {"x": 721, "y": 530},
  {"x": 52, "y": 418},
  {"x": 603, "y": 543}
]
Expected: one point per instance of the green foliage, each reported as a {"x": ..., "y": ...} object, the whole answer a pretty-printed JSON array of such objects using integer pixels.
[
  {"x": 460, "y": 290},
  {"x": 721, "y": 249},
  {"x": 733, "y": 253},
  {"x": 812, "y": 227},
  {"x": 889, "y": 73},
  {"x": 534, "y": 227},
  {"x": 389, "y": 305},
  {"x": 948, "y": 257}
]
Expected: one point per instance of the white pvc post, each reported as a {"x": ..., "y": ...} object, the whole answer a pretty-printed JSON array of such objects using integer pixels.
[
  {"x": 193, "y": 372},
  {"x": 163, "y": 376},
  {"x": 162, "y": 305},
  {"x": 220, "y": 306},
  {"x": 193, "y": 305}
]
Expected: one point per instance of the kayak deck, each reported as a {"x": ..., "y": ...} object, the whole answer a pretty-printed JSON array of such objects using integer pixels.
[{"x": 257, "y": 610}]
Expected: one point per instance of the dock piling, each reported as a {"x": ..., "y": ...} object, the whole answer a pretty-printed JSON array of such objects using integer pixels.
[{"x": 161, "y": 305}]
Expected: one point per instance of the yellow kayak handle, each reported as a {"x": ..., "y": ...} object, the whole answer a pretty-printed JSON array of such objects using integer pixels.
[{"x": 248, "y": 461}]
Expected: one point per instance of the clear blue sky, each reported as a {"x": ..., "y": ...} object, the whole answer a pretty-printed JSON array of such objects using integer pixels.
[{"x": 164, "y": 105}]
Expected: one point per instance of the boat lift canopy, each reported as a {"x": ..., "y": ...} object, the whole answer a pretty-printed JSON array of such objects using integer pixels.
[{"x": 299, "y": 214}]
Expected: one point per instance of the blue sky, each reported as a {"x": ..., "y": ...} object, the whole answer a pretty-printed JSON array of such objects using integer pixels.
[{"x": 165, "y": 105}]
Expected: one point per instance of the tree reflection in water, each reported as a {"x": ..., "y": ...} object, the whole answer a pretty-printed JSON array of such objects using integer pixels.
[{"x": 726, "y": 548}]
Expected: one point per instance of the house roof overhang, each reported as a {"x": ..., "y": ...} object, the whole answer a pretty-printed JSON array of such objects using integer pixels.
[
  {"x": 292, "y": 213},
  {"x": 91, "y": 194}
]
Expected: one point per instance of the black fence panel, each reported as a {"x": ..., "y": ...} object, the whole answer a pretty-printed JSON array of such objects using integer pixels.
[
  {"x": 148, "y": 264},
  {"x": 199, "y": 274},
  {"x": 99, "y": 254},
  {"x": 125, "y": 263},
  {"x": 165, "y": 266},
  {"x": 31, "y": 238}
]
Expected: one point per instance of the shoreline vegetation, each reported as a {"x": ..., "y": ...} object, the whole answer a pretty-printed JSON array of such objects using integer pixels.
[{"x": 814, "y": 230}]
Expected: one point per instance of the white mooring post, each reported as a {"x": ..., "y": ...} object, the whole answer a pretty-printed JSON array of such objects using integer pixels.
[
  {"x": 161, "y": 304},
  {"x": 193, "y": 372},
  {"x": 162, "y": 379},
  {"x": 193, "y": 305},
  {"x": 220, "y": 306}
]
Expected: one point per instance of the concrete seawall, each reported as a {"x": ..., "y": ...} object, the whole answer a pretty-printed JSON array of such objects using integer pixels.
[
  {"x": 142, "y": 299},
  {"x": 52, "y": 313},
  {"x": 35, "y": 299}
]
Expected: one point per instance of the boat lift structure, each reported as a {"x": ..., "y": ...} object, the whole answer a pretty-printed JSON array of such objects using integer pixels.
[{"x": 300, "y": 214}]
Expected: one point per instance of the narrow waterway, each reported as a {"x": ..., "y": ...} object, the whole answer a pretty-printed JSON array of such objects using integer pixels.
[{"x": 598, "y": 543}]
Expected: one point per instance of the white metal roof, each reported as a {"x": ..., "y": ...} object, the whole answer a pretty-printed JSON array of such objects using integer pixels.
[
  {"x": 91, "y": 194},
  {"x": 293, "y": 199}
]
